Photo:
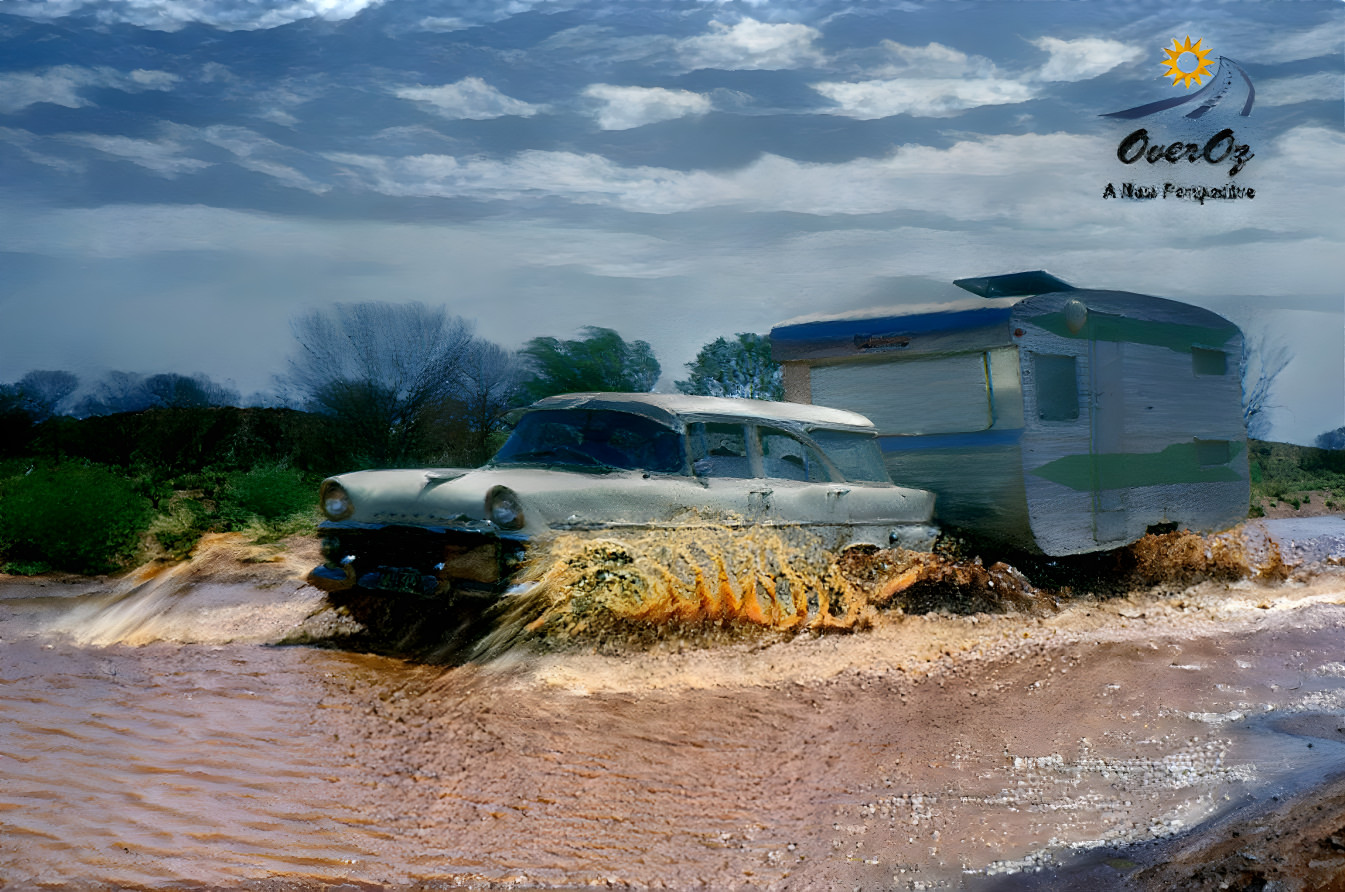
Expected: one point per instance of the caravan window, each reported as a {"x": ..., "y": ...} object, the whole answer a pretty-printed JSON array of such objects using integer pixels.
[
  {"x": 1057, "y": 387},
  {"x": 1209, "y": 362},
  {"x": 938, "y": 395}
]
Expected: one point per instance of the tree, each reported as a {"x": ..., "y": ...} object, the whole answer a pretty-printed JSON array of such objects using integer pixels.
[
  {"x": 173, "y": 391},
  {"x": 491, "y": 379},
  {"x": 742, "y": 367},
  {"x": 16, "y": 425},
  {"x": 384, "y": 371},
  {"x": 43, "y": 392},
  {"x": 600, "y": 361},
  {"x": 1331, "y": 439},
  {"x": 1262, "y": 362},
  {"x": 118, "y": 392},
  {"x": 114, "y": 393}
]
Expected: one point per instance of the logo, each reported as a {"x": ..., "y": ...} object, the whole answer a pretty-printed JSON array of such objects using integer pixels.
[
  {"x": 1220, "y": 87},
  {"x": 1195, "y": 142},
  {"x": 1199, "y": 68}
]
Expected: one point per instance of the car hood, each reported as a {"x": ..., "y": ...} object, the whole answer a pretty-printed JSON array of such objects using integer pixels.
[{"x": 456, "y": 497}]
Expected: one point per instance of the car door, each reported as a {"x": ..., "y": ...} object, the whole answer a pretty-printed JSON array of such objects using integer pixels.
[
  {"x": 727, "y": 469},
  {"x": 801, "y": 488}
]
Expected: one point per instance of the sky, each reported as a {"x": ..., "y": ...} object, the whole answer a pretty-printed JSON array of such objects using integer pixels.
[{"x": 181, "y": 178}]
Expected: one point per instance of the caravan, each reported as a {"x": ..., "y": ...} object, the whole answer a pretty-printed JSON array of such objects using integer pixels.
[{"x": 1045, "y": 417}]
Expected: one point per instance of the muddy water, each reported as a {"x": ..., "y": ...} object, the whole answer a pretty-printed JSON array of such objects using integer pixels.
[{"x": 156, "y": 738}]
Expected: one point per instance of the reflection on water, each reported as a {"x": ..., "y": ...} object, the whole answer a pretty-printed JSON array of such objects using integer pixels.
[
  {"x": 152, "y": 737},
  {"x": 138, "y": 766}
]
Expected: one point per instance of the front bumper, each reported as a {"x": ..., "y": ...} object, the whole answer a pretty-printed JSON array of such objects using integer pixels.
[{"x": 416, "y": 560}]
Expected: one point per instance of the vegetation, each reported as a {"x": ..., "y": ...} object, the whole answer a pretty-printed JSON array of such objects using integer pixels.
[
  {"x": 386, "y": 372},
  {"x": 99, "y": 494},
  {"x": 1286, "y": 474},
  {"x": 82, "y": 519},
  {"x": 741, "y": 367},
  {"x": 600, "y": 360}
]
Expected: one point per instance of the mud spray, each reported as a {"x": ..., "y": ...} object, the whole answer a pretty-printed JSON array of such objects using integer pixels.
[{"x": 712, "y": 584}]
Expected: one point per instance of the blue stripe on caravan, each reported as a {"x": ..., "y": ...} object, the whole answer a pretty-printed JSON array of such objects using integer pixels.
[
  {"x": 974, "y": 440},
  {"x": 952, "y": 320}
]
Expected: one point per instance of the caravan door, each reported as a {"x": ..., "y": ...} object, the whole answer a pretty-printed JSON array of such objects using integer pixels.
[{"x": 1106, "y": 439}]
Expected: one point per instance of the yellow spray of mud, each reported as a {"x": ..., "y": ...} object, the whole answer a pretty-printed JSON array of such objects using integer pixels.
[{"x": 715, "y": 583}]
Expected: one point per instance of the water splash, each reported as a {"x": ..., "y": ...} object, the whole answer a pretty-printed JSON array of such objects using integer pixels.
[{"x": 228, "y": 591}]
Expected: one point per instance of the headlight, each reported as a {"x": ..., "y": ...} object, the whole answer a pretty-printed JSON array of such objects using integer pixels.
[
  {"x": 335, "y": 500},
  {"x": 504, "y": 509}
]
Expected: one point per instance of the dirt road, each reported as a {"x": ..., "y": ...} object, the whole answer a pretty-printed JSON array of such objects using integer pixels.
[{"x": 1166, "y": 739}]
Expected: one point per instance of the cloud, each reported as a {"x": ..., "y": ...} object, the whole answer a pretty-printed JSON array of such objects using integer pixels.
[
  {"x": 1324, "y": 40},
  {"x": 1291, "y": 90},
  {"x": 164, "y": 158},
  {"x": 933, "y": 60},
  {"x": 624, "y": 108},
  {"x": 29, "y": 146},
  {"x": 230, "y": 15},
  {"x": 1083, "y": 59},
  {"x": 600, "y": 47},
  {"x": 932, "y": 81},
  {"x": 920, "y": 178},
  {"x": 252, "y": 151},
  {"x": 470, "y": 98},
  {"x": 920, "y": 97},
  {"x": 62, "y": 85},
  {"x": 751, "y": 45}
]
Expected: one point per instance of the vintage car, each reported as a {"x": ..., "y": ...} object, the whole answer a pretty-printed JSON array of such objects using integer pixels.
[{"x": 615, "y": 462}]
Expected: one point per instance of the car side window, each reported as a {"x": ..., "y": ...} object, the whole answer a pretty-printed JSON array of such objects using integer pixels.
[
  {"x": 719, "y": 450},
  {"x": 784, "y": 455}
]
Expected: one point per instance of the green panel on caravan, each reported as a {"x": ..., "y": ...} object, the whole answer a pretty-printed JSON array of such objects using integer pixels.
[{"x": 1045, "y": 417}]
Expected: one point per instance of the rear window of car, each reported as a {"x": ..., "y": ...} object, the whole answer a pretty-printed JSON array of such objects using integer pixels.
[{"x": 856, "y": 455}]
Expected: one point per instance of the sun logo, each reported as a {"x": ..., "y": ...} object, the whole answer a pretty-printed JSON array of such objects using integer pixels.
[{"x": 1199, "y": 68}]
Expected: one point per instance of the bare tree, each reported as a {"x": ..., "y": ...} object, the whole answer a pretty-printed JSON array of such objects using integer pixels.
[
  {"x": 1262, "y": 362},
  {"x": 384, "y": 370},
  {"x": 491, "y": 380}
]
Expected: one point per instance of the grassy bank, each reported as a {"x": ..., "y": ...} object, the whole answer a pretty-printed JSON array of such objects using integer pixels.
[{"x": 1289, "y": 480}]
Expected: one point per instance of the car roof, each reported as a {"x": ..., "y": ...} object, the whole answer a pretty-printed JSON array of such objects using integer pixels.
[{"x": 669, "y": 408}]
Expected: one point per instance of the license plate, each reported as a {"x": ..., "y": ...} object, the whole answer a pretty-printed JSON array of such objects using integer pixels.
[{"x": 401, "y": 579}]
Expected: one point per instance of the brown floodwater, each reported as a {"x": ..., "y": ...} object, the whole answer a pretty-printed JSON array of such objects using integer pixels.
[{"x": 157, "y": 736}]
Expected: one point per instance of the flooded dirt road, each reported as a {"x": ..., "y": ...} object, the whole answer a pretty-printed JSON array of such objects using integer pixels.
[{"x": 156, "y": 738}]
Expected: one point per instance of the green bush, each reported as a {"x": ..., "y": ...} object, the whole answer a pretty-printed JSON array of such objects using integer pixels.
[
  {"x": 81, "y": 519},
  {"x": 267, "y": 493},
  {"x": 177, "y": 531}
]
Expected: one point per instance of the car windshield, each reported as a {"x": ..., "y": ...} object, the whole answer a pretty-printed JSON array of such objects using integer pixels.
[{"x": 593, "y": 438}]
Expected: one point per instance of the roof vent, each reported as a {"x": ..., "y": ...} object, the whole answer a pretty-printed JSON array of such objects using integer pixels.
[{"x": 1038, "y": 281}]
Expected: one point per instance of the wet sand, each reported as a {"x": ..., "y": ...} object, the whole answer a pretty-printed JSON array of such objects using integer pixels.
[{"x": 1140, "y": 742}]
